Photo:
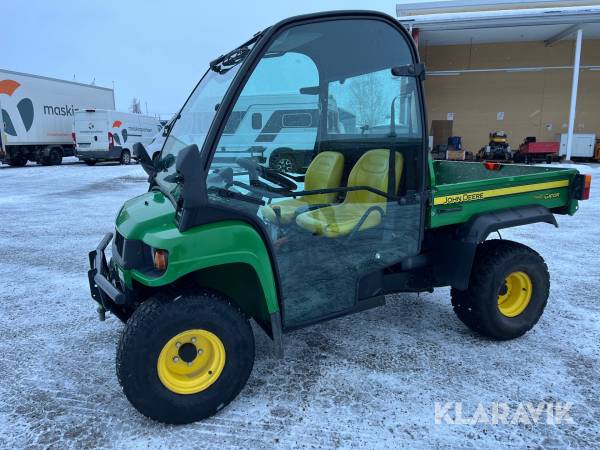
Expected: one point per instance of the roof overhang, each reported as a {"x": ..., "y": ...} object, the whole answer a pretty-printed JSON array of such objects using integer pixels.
[{"x": 498, "y": 25}]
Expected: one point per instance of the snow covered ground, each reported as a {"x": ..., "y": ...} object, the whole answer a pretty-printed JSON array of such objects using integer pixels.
[{"x": 369, "y": 380}]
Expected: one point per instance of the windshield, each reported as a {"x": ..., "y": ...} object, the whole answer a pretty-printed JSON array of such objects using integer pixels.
[{"x": 196, "y": 116}]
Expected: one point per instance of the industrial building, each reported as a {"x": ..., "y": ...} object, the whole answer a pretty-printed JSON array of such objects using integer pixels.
[{"x": 527, "y": 68}]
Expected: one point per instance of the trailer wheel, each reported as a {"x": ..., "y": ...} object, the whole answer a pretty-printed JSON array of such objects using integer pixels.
[
  {"x": 183, "y": 360},
  {"x": 125, "y": 157},
  {"x": 507, "y": 292}
]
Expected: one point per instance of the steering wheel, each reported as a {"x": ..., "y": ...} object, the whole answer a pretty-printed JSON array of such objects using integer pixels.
[{"x": 255, "y": 170}]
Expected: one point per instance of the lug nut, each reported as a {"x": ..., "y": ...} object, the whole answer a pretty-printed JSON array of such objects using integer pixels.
[
  {"x": 176, "y": 359},
  {"x": 178, "y": 344},
  {"x": 200, "y": 351},
  {"x": 190, "y": 363},
  {"x": 193, "y": 340}
]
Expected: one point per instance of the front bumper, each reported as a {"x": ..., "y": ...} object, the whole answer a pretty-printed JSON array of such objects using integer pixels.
[
  {"x": 99, "y": 155},
  {"x": 104, "y": 291}
]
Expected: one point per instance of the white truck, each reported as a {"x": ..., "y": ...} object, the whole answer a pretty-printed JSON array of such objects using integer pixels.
[
  {"x": 104, "y": 135},
  {"x": 37, "y": 116}
]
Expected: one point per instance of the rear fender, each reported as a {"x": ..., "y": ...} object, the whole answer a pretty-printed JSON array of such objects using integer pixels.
[{"x": 454, "y": 247}]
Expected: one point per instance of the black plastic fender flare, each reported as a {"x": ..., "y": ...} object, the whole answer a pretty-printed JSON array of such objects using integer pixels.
[{"x": 454, "y": 249}]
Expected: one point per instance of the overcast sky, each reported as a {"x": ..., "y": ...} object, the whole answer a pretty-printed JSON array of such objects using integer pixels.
[{"x": 155, "y": 51}]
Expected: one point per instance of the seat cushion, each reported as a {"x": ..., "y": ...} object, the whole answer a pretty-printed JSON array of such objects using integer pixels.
[
  {"x": 340, "y": 220},
  {"x": 287, "y": 210}
]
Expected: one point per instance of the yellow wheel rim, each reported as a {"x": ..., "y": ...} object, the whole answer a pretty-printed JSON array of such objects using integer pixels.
[
  {"x": 191, "y": 361},
  {"x": 515, "y": 295}
]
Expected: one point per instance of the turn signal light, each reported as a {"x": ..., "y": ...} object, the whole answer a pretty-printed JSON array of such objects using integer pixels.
[{"x": 161, "y": 258}]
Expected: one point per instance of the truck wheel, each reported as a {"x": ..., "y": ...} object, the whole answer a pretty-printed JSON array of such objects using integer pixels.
[
  {"x": 183, "y": 360},
  {"x": 17, "y": 161},
  {"x": 55, "y": 157},
  {"x": 91, "y": 162},
  {"x": 507, "y": 292},
  {"x": 125, "y": 157}
]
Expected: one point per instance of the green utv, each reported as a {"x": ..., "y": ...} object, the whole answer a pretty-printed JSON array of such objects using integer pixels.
[{"x": 219, "y": 240}]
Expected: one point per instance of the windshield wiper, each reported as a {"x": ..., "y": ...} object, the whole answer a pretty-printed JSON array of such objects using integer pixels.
[{"x": 229, "y": 60}]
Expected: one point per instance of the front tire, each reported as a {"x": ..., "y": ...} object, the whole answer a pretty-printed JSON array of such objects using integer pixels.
[
  {"x": 508, "y": 290},
  {"x": 183, "y": 360}
]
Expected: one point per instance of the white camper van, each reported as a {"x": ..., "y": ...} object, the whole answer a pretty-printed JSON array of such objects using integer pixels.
[
  {"x": 104, "y": 135},
  {"x": 283, "y": 127},
  {"x": 37, "y": 116}
]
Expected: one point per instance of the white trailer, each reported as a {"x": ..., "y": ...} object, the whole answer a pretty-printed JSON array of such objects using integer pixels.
[
  {"x": 37, "y": 116},
  {"x": 105, "y": 135},
  {"x": 582, "y": 147}
]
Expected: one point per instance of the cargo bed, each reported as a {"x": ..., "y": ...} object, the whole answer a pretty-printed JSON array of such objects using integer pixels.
[{"x": 463, "y": 189}]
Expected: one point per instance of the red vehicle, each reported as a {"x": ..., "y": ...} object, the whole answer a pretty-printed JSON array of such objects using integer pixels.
[{"x": 531, "y": 151}]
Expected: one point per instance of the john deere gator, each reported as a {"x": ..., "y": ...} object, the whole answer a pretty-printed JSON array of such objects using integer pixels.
[{"x": 213, "y": 245}]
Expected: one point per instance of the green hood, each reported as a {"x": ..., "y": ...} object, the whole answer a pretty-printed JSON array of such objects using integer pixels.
[{"x": 147, "y": 213}]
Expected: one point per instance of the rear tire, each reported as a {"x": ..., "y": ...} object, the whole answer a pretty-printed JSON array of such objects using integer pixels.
[
  {"x": 153, "y": 382},
  {"x": 125, "y": 157},
  {"x": 91, "y": 162},
  {"x": 508, "y": 290}
]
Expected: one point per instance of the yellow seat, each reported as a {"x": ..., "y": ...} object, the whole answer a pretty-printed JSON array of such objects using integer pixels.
[
  {"x": 324, "y": 172},
  {"x": 339, "y": 220}
]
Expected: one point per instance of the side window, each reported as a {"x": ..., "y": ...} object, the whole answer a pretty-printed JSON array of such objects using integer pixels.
[
  {"x": 297, "y": 120},
  {"x": 257, "y": 121},
  {"x": 365, "y": 104}
]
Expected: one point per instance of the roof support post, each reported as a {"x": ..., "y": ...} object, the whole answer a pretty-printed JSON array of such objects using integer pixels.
[{"x": 574, "y": 87}]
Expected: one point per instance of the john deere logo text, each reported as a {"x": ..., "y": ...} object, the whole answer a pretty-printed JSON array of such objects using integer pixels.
[
  {"x": 462, "y": 198},
  {"x": 24, "y": 108}
]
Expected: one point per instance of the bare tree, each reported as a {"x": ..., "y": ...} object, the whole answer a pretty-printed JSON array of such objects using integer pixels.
[
  {"x": 367, "y": 99},
  {"x": 135, "y": 107}
]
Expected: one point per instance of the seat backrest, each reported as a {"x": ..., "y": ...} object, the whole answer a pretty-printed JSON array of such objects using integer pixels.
[
  {"x": 324, "y": 172},
  {"x": 372, "y": 170}
]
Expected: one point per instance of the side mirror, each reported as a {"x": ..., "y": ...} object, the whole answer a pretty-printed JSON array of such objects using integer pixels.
[
  {"x": 140, "y": 153},
  {"x": 189, "y": 168}
]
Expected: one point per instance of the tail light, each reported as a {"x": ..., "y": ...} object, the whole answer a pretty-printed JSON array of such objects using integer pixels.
[
  {"x": 492, "y": 165},
  {"x": 587, "y": 184},
  {"x": 581, "y": 187},
  {"x": 111, "y": 140},
  {"x": 74, "y": 136}
]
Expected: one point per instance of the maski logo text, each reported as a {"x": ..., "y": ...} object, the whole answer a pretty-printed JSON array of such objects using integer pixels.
[{"x": 58, "y": 110}]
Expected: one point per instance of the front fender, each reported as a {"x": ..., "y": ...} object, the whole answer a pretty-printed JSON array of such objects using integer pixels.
[{"x": 212, "y": 245}]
